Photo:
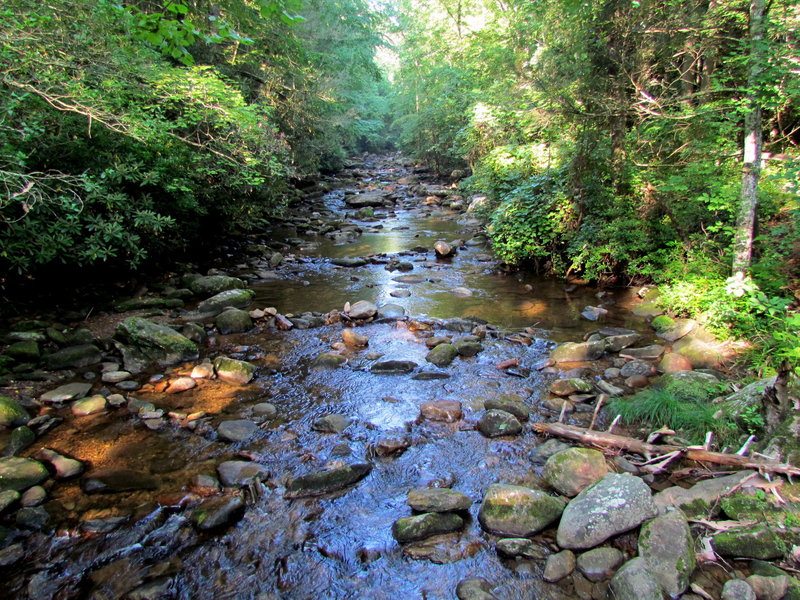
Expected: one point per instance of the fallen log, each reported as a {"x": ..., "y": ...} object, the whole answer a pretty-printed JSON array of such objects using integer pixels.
[{"x": 611, "y": 440}]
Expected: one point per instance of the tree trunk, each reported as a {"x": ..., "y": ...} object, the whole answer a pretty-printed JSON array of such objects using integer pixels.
[{"x": 751, "y": 170}]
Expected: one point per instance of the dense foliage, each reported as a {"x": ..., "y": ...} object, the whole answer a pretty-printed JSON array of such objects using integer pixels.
[{"x": 128, "y": 130}]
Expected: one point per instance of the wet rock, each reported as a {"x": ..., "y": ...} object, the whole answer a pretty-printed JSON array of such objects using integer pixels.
[
  {"x": 265, "y": 410},
  {"x": 113, "y": 480},
  {"x": 666, "y": 545},
  {"x": 443, "y": 249},
  {"x": 89, "y": 406},
  {"x": 637, "y": 367},
  {"x": 419, "y": 527},
  {"x": 559, "y": 566},
  {"x": 468, "y": 347},
  {"x": 210, "y": 285},
  {"x": 205, "y": 485},
  {"x": 614, "y": 505},
  {"x": 329, "y": 360},
  {"x": 8, "y": 498},
  {"x": 443, "y": 549},
  {"x": 393, "y": 367},
  {"x": 230, "y": 370},
  {"x": 600, "y": 563},
  {"x": 11, "y": 555},
  {"x": 391, "y": 311},
  {"x": 435, "y": 500},
  {"x": 150, "y": 303},
  {"x": 33, "y": 496},
  {"x": 233, "y": 320},
  {"x": 392, "y": 445},
  {"x": 769, "y": 588},
  {"x": 436, "y": 340},
  {"x": 702, "y": 498},
  {"x": 27, "y": 351},
  {"x": 448, "y": 411},
  {"x": 182, "y": 384},
  {"x": 514, "y": 547},
  {"x": 33, "y": 517},
  {"x": 461, "y": 292},
  {"x": 11, "y": 413},
  {"x": 362, "y": 310},
  {"x": 635, "y": 582},
  {"x": 510, "y": 403},
  {"x": 218, "y": 513},
  {"x": 114, "y": 376},
  {"x": 610, "y": 389},
  {"x": 347, "y": 261},
  {"x": 194, "y": 332},
  {"x": 143, "y": 342},
  {"x": 233, "y": 298},
  {"x": 64, "y": 467},
  {"x": 475, "y": 589},
  {"x": 651, "y": 352},
  {"x": 737, "y": 589},
  {"x": 566, "y": 387},
  {"x": 594, "y": 313},
  {"x": 647, "y": 309},
  {"x": 672, "y": 362},
  {"x": 544, "y": 451},
  {"x": 430, "y": 375},
  {"x": 322, "y": 482},
  {"x": 239, "y": 430},
  {"x": 103, "y": 524},
  {"x": 354, "y": 339},
  {"x": 442, "y": 355},
  {"x": 204, "y": 370},
  {"x": 236, "y": 473},
  {"x": 372, "y": 198},
  {"x": 21, "y": 438},
  {"x": 615, "y": 343},
  {"x": 332, "y": 424},
  {"x": 571, "y": 471},
  {"x": 757, "y": 541},
  {"x": 577, "y": 352},
  {"x": 516, "y": 511},
  {"x": 495, "y": 423},
  {"x": 21, "y": 473},
  {"x": 74, "y": 356}
]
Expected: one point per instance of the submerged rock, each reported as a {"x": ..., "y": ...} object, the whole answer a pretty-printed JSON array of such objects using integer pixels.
[
  {"x": 218, "y": 513},
  {"x": 238, "y": 430},
  {"x": 393, "y": 367},
  {"x": 448, "y": 411},
  {"x": 332, "y": 423},
  {"x": 112, "y": 480},
  {"x": 475, "y": 589},
  {"x": 323, "y": 482}
]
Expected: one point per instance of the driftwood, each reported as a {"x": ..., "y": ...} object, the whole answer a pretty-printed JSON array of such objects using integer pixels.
[{"x": 610, "y": 440}]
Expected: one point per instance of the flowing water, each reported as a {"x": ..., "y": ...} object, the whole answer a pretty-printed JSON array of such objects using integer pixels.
[{"x": 337, "y": 546}]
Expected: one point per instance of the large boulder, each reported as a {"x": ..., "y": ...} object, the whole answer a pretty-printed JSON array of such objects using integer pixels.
[
  {"x": 666, "y": 545},
  {"x": 571, "y": 471},
  {"x": 615, "y": 504},
  {"x": 143, "y": 342},
  {"x": 233, "y": 298},
  {"x": 516, "y": 511}
]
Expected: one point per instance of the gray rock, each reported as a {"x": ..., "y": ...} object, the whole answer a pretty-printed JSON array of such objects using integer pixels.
[
  {"x": 64, "y": 467},
  {"x": 769, "y": 588},
  {"x": 230, "y": 370},
  {"x": 637, "y": 367},
  {"x": 236, "y": 473},
  {"x": 213, "y": 284},
  {"x": 11, "y": 555},
  {"x": 516, "y": 511},
  {"x": 614, "y": 505},
  {"x": 702, "y": 354},
  {"x": 600, "y": 563},
  {"x": 677, "y": 329},
  {"x": 443, "y": 249},
  {"x": 323, "y": 482},
  {"x": 115, "y": 376},
  {"x": 651, "y": 352},
  {"x": 737, "y": 589},
  {"x": 559, "y": 566},
  {"x": 21, "y": 473},
  {"x": 448, "y": 411},
  {"x": 362, "y": 309},
  {"x": 419, "y": 527},
  {"x": 332, "y": 423},
  {"x": 475, "y": 589},
  {"x": 11, "y": 413},
  {"x": 495, "y": 423},
  {"x": 239, "y": 430},
  {"x": 430, "y": 375},
  {"x": 391, "y": 311},
  {"x": 666, "y": 545},
  {"x": 573, "y": 470},
  {"x": 577, "y": 352},
  {"x": 265, "y": 410},
  {"x": 233, "y": 298},
  {"x": 509, "y": 403},
  {"x": 635, "y": 582},
  {"x": 218, "y": 513},
  {"x": 442, "y": 355},
  {"x": 348, "y": 261},
  {"x": 89, "y": 406},
  {"x": 233, "y": 320},
  {"x": 393, "y": 367},
  {"x": 615, "y": 343},
  {"x": 430, "y": 500},
  {"x": 143, "y": 342},
  {"x": 514, "y": 547},
  {"x": 542, "y": 452},
  {"x": 74, "y": 356},
  {"x": 27, "y": 351}
]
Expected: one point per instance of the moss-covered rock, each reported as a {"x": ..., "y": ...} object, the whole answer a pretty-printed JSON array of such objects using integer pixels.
[
  {"x": 419, "y": 527},
  {"x": 667, "y": 546},
  {"x": 147, "y": 304},
  {"x": 662, "y": 322},
  {"x": 11, "y": 413},
  {"x": 143, "y": 342},
  {"x": 573, "y": 470},
  {"x": 578, "y": 352},
  {"x": 233, "y": 298},
  {"x": 27, "y": 351},
  {"x": 510, "y": 403},
  {"x": 21, "y": 473},
  {"x": 442, "y": 355},
  {"x": 516, "y": 511},
  {"x": 79, "y": 356},
  {"x": 437, "y": 500},
  {"x": 323, "y": 482},
  {"x": 234, "y": 371},
  {"x": 758, "y": 541},
  {"x": 233, "y": 321},
  {"x": 210, "y": 285},
  {"x": 495, "y": 423}
]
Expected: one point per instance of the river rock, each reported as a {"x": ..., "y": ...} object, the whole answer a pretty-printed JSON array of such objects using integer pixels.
[
  {"x": 419, "y": 527},
  {"x": 114, "y": 376},
  {"x": 236, "y": 473},
  {"x": 516, "y": 511},
  {"x": 265, "y": 410},
  {"x": 442, "y": 355},
  {"x": 737, "y": 589},
  {"x": 650, "y": 352},
  {"x": 435, "y": 500},
  {"x": 672, "y": 362},
  {"x": 577, "y": 352},
  {"x": 237, "y": 372},
  {"x": 573, "y": 470},
  {"x": 331, "y": 424},
  {"x": 329, "y": 360},
  {"x": 89, "y": 406},
  {"x": 354, "y": 339},
  {"x": 65, "y": 467},
  {"x": 21, "y": 473},
  {"x": 143, "y": 342},
  {"x": 510, "y": 403},
  {"x": 468, "y": 347},
  {"x": 757, "y": 541},
  {"x": 444, "y": 548},
  {"x": 233, "y": 320},
  {"x": 566, "y": 387},
  {"x": 614, "y": 505},
  {"x": 495, "y": 423},
  {"x": 238, "y": 430},
  {"x": 461, "y": 292},
  {"x": 615, "y": 343},
  {"x": 448, "y": 411},
  {"x": 33, "y": 517},
  {"x": 393, "y": 367},
  {"x": 636, "y": 368},
  {"x": 544, "y": 451},
  {"x": 600, "y": 563},
  {"x": 204, "y": 370},
  {"x": 635, "y": 582},
  {"x": 74, "y": 356},
  {"x": 391, "y": 311},
  {"x": 400, "y": 293},
  {"x": 371, "y": 198},
  {"x": 514, "y": 547},
  {"x": 21, "y": 437},
  {"x": 182, "y": 384},
  {"x": 349, "y": 261},
  {"x": 475, "y": 589},
  {"x": 218, "y": 513},
  {"x": 362, "y": 309},
  {"x": 666, "y": 545},
  {"x": 210, "y": 285},
  {"x": 443, "y": 249},
  {"x": 330, "y": 480},
  {"x": 702, "y": 499},
  {"x": 233, "y": 298},
  {"x": 8, "y": 498},
  {"x": 675, "y": 330},
  {"x": 594, "y": 313},
  {"x": 769, "y": 588},
  {"x": 558, "y": 566},
  {"x": 702, "y": 354},
  {"x": 113, "y": 480},
  {"x": 11, "y": 413},
  {"x": 33, "y": 496},
  {"x": 27, "y": 351}
]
